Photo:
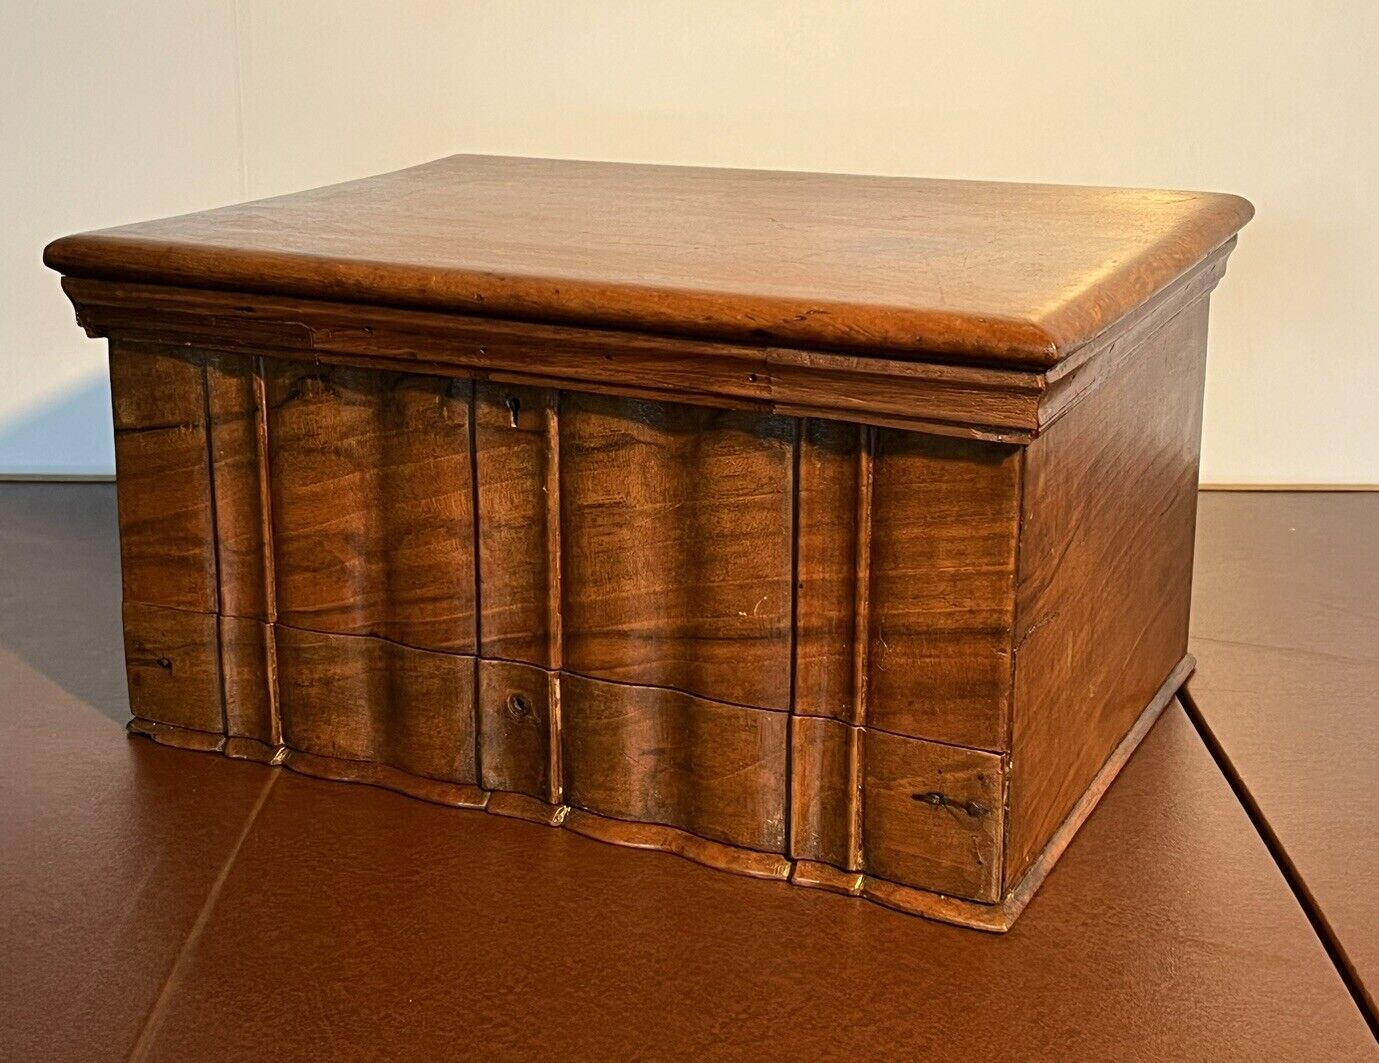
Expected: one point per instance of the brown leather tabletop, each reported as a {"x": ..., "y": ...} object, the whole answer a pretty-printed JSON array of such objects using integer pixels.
[
  {"x": 149, "y": 905},
  {"x": 108, "y": 848},
  {"x": 1286, "y": 631}
]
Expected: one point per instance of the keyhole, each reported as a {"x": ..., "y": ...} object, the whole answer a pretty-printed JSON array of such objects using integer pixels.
[
  {"x": 514, "y": 405},
  {"x": 518, "y": 705}
]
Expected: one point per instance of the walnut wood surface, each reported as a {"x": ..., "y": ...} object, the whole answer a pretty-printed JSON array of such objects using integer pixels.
[
  {"x": 362, "y": 698},
  {"x": 431, "y": 511},
  {"x": 678, "y": 559},
  {"x": 1105, "y": 574},
  {"x": 167, "y": 532},
  {"x": 783, "y": 636},
  {"x": 372, "y": 504},
  {"x": 636, "y": 753},
  {"x": 945, "y": 519},
  {"x": 1019, "y": 274}
]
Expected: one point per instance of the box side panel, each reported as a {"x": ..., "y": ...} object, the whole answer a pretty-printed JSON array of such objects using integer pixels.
[{"x": 1105, "y": 569}]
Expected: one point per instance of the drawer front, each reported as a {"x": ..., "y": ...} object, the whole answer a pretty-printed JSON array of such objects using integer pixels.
[{"x": 917, "y": 813}]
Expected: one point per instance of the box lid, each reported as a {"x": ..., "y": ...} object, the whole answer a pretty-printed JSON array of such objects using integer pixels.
[{"x": 1014, "y": 275}]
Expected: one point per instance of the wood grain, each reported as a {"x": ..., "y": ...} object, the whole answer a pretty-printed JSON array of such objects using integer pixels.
[
  {"x": 1105, "y": 574},
  {"x": 372, "y": 504},
  {"x": 677, "y": 535},
  {"x": 173, "y": 666},
  {"x": 517, "y": 540},
  {"x": 942, "y": 600},
  {"x": 518, "y": 742},
  {"x": 826, "y": 792},
  {"x": 832, "y": 543},
  {"x": 239, "y": 485},
  {"x": 361, "y": 698},
  {"x": 660, "y": 756},
  {"x": 167, "y": 531},
  {"x": 249, "y": 672},
  {"x": 900, "y": 809},
  {"x": 1015, "y": 273}
]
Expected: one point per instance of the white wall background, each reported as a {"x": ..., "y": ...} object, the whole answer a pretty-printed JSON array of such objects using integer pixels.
[{"x": 118, "y": 112}]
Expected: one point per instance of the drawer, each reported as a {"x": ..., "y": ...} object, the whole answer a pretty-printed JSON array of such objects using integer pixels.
[{"x": 918, "y": 813}]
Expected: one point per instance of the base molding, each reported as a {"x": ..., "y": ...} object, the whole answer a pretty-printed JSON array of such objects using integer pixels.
[
  {"x": 995, "y": 918},
  {"x": 998, "y": 918}
]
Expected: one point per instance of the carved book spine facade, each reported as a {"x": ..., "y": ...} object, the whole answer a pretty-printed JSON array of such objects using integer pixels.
[
  {"x": 827, "y": 528},
  {"x": 786, "y": 646}
]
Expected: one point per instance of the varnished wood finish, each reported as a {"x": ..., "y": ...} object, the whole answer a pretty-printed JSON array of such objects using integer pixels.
[
  {"x": 167, "y": 535},
  {"x": 679, "y": 559},
  {"x": 637, "y": 753},
  {"x": 371, "y": 504},
  {"x": 173, "y": 666},
  {"x": 853, "y": 580},
  {"x": 1105, "y": 574},
  {"x": 945, "y": 519},
  {"x": 363, "y": 698},
  {"x": 982, "y": 271}
]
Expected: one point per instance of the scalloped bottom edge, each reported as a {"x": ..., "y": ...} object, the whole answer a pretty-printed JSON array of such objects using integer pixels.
[{"x": 995, "y": 918}]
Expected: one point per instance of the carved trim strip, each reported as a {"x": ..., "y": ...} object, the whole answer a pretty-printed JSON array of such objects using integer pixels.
[
  {"x": 270, "y": 580},
  {"x": 861, "y": 646},
  {"x": 555, "y": 653},
  {"x": 970, "y": 401}
]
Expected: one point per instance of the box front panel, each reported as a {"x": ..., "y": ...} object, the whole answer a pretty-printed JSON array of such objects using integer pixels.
[{"x": 779, "y": 634}]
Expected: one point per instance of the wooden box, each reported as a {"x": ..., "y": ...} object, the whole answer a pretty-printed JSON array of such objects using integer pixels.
[{"x": 823, "y": 528}]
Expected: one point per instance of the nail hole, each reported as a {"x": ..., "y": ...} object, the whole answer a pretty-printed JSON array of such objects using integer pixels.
[{"x": 163, "y": 662}]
